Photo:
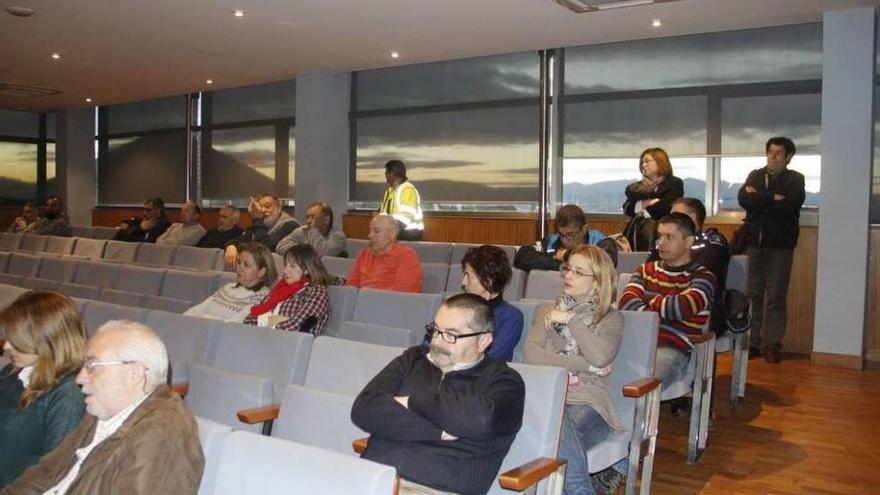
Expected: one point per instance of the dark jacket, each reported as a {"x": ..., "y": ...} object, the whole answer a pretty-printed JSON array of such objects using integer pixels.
[
  {"x": 267, "y": 236},
  {"x": 28, "y": 434},
  {"x": 667, "y": 191},
  {"x": 773, "y": 224},
  {"x": 134, "y": 233},
  {"x": 529, "y": 258},
  {"x": 156, "y": 450},
  {"x": 217, "y": 239},
  {"x": 482, "y": 406}
]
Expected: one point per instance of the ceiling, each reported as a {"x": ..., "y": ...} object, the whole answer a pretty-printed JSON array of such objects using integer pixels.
[{"x": 125, "y": 50}]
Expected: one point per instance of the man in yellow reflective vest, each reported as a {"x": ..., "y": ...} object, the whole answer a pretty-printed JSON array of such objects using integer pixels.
[{"x": 402, "y": 202}]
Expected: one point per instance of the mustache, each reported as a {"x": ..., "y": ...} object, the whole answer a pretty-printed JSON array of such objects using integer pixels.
[{"x": 437, "y": 350}]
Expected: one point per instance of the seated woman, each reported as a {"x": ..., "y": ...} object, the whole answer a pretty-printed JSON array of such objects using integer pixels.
[
  {"x": 581, "y": 332},
  {"x": 650, "y": 198},
  {"x": 40, "y": 402},
  {"x": 299, "y": 301},
  {"x": 486, "y": 273},
  {"x": 255, "y": 273}
]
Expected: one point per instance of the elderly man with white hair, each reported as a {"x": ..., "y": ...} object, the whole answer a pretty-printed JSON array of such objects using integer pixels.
[
  {"x": 386, "y": 264},
  {"x": 137, "y": 437}
]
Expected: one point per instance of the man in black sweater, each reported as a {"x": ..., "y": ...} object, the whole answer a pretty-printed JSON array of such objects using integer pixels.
[{"x": 445, "y": 417}]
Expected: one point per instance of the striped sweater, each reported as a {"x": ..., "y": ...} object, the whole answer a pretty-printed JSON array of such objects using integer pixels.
[{"x": 682, "y": 295}]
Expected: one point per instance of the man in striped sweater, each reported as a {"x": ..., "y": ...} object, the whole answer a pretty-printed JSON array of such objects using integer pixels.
[{"x": 678, "y": 288}]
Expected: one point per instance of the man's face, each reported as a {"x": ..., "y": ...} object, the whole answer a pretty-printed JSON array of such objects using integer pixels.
[
  {"x": 188, "y": 214},
  {"x": 317, "y": 220},
  {"x": 111, "y": 388},
  {"x": 465, "y": 350},
  {"x": 29, "y": 213},
  {"x": 674, "y": 247},
  {"x": 680, "y": 208},
  {"x": 151, "y": 212},
  {"x": 381, "y": 234},
  {"x": 53, "y": 206},
  {"x": 777, "y": 160},
  {"x": 572, "y": 235},
  {"x": 390, "y": 179},
  {"x": 225, "y": 219},
  {"x": 271, "y": 210}
]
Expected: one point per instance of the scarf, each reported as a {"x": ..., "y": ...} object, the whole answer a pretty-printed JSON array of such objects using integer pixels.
[
  {"x": 570, "y": 346},
  {"x": 279, "y": 293}
]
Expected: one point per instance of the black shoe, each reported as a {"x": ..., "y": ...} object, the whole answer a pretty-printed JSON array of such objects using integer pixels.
[
  {"x": 773, "y": 354},
  {"x": 606, "y": 482},
  {"x": 681, "y": 407},
  {"x": 754, "y": 352}
]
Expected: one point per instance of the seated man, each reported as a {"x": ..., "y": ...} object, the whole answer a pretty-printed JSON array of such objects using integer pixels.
[
  {"x": 269, "y": 225},
  {"x": 26, "y": 222},
  {"x": 677, "y": 287},
  {"x": 445, "y": 417},
  {"x": 385, "y": 263},
  {"x": 318, "y": 232},
  {"x": 188, "y": 231},
  {"x": 148, "y": 228},
  {"x": 571, "y": 232},
  {"x": 53, "y": 220},
  {"x": 227, "y": 229},
  {"x": 137, "y": 437}
]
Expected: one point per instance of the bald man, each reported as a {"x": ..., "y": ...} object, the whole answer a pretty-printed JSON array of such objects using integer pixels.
[{"x": 386, "y": 264}]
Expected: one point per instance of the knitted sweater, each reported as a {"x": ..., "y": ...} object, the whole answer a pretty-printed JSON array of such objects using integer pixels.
[
  {"x": 231, "y": 303},
  {"x": 182, "y": 235},
  {"x": 682, "y": 295}
]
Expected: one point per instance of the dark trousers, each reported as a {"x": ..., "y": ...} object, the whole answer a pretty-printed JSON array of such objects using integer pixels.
[{"x": 769, "y": 273}]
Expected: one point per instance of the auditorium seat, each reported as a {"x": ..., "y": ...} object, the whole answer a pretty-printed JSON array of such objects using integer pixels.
[
  {"x": 396, "y": 309},
  {"x": 219, "y": 394},
  {"x": 212, "y": 439},
  {"x": 622, "y": 282},
  {"x": 4, "y": 260},
  {"x": 196, "y": 258},
  {"x": 187, "y": 339},
  {"x": 187, "y": 286},
  {"x": 341, "y": 267},
  {"x": 21, "y": 266},
  {"x": 345, "y": 366},
  {"x": 60, "y": 245},
  {"x": 89, "y": 248},
  {"x": 33, "y": 243},
  {"x": 434, "y": 277},
  {"x": 96, "y": 274},
  {"x": 627, "y": 262},
  {"x": 543, "y": 284},
  {"x": 123, "y": 252},
  {"x": 528, "y": 310},
  {"x": 40, "y": 284},
  {"x": 737, "y": 279},
  {"x": 376, "y": 334},
  {"x": 458, "y": 251},
  {"x": 354, "y": 246},
  {"x": 279, "y": 262},
  {"x": 98, "y": 312},
  {"x": 9, "y": 242},
  {"x": 9, "y": 293},
  {"x": 58, "y": 270},
  {"x": 431, "y": 252},
  {"x": 105, "y": 233},
  {"x": 82, "y": 231},
  {"x": 342, "y": 300},
  {"x": 154, "y": 254}
]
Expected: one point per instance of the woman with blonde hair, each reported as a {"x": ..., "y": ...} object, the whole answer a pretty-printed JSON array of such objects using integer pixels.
[
  {"x": 39, "y": 401},
  {"x": 650, "y": 198},
  {"x": 581, "y": 332}
]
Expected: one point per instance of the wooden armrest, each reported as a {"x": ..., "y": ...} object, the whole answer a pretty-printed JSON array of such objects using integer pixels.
[
  {"x": 522, "y": 477},
  {"x": 699, "y": 339},
  {"x": 641, "y": 387},
  {"x": 259, "y": 414},
  {"x": 360, "y": 445},
  {"x": 180, "y": 389}
]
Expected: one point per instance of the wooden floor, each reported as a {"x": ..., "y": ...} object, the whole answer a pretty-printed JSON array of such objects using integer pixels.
[{"x": 802, "y": 429}]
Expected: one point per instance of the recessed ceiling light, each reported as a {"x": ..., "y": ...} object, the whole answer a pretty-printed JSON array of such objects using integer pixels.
[
  {"x": 395, "y": 55},
  {"x": 209, "y": 81},
  {"x": 656, "y": 23},
  {"x": 56, "y": 56},
  {"x": 238, "y": 13},
  {"x": 18, "y": 11},
  {"x": 88, "y": 100}
]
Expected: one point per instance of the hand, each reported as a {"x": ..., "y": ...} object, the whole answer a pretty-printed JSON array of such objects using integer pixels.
[
  {"x": 230, "y": 256},
  {"x": 20, "y": 222},
  {"x": 255, "y": 209},
  {"x": 648, "y": 202},
  {"x": 778, "y": 197},
  {"x": 446, "y": 437},
  {"x": 276, "y": 319},
  {"x": 751, "y": 190},
  {"x": 148, "y": 224},
  {"x": 403, "y": 400},
  {"x": 556, "y": 316},
  {"x": 560, "y": 254}
]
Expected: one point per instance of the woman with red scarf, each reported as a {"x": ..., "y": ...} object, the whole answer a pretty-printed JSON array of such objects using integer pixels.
[{"x": 299, "y": 301}]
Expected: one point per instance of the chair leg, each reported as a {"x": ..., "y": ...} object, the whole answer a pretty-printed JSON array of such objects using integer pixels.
[
  {"x": 700, "y": 402},
  {"x": 706, "y": 398},
  {"x": 556, "y": 481},
  {"x": 644, "y": 428},
  {"x": 635, "y": 446},
  {"x": 652, "y": 422}
]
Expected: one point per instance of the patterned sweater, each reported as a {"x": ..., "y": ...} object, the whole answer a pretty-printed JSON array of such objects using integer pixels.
[
  {"x": 231, "y": 303},
  {"x": 682, "y": 295}
]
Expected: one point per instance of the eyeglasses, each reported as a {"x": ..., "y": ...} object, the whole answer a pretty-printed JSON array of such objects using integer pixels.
[
  {"x": 569, "y": 235},
  {"x": 90, "y": 366},
  {"x": 565, "y": 270},
  {"x": 448, "y": 337}
]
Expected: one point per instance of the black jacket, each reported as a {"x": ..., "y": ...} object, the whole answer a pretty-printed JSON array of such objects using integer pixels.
[
  {"x": 134, "y": 233},
  {"x": 530, "y": 258},
  {"x": 217, "y": 239},
  {"x": 667, "y": 191},
  {"x": 482, "y": 406},
  {"x": 773, "y": 224}
]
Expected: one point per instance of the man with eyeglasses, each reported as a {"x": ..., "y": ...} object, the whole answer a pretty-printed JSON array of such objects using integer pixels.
[
  {"x": 571, "y": 232},
  {"x": 444, "y": 416},
  {"x": 137, "y": 437}
]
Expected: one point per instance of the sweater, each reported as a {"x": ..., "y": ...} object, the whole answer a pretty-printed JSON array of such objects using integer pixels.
[
  {"x": 258, "y": 231},
  {"x": 481, "y": 405},
  {"x": 231, "y": 303},
  {"x": 682, "y": 295},
  {"x": 507, "y": 329},
  {"x": 397, "y": 269},
  {"x": 28, "y": 434},
  {"x": 179, "y": 234},
  {"x": 331, "y": 244}
]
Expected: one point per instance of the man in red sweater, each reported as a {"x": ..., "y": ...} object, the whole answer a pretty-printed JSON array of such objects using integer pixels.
[{"x": 386, "y": 264}]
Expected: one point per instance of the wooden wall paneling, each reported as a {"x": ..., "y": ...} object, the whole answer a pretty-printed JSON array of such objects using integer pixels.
[
  {"x": 7, "y": 215},
  {"x": 112, "y": 216},
  {"x": 872, "y": 327},
  {"x": 801, "y": 303}
]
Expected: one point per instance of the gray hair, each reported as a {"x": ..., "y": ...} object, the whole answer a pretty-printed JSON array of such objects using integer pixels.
[
  {"x": 393, "y": 224},
  {"x": 235, "y": 213},
  {"x": 482, "y": 317},
  {"x": 143, "y": 345}
]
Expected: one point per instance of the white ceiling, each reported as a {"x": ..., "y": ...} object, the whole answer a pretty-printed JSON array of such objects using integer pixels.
[{"x": 124, "y": 50}]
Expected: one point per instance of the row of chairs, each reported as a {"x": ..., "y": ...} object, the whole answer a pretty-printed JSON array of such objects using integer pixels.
[{"x": 93, "y": 232}]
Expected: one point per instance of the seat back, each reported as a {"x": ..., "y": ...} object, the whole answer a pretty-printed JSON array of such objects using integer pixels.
[
  {"x": 345, "y": 366},
  {"x": 528, "y": 310},
  {"x": 434, "y": 277},
  {"x": 513, "y": 291},
  {"x": 622, "y": 282},
  {"x": 431, "y": 252},
  {"x": 9, "y": 293},
  {"x": 252, "y": 463},
  {"x": 342, "y": 300},
  {"x": 59, "y": 270},
  {"x": 4, "y": 260},
  {"x": 98, "y": 312},
  {"x": 187, "y": 286},
  {"x": 155, "y": 254},
  {"x": 89, "y": 248},
  {"x": 101, "y": 232},
  {"x": 218, "y": 395},
  {"x": 33, "y": 243},
  {"x": 124, "y": 252},
  {"x": 458, "y": 251},
  {"x": 738, "y": 273},
  {"x": 139, "y": 279},
  {"x": 317, "y": 417},
  {"x": 186, "y": 338},
  {"x": 212, "y": 438},
  {"x": 9, "y": 242},
  {"x": 195, "y": 257},
  {"x": 627, "y": 262},
  {"x": 82, "y": 231},
  {"x": 96, "y": 274},
  {"x": 221, "y": 279},
  {"x": 376, "y": 334},
  {"x": 542, "y": 417},
  {"x": 341, "y": 267},
  {"x": 60, "y": 245},
  {"x": 354, "y": 246},
  {"x": 543, "y": 284},
  {"x": 24, "y": 265},
  {"x": 634, "y": 360},
  {"x": 396, "y": 309}
]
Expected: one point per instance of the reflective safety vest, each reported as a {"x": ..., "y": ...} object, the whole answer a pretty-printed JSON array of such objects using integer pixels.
[{"x": 404, "y": 204}]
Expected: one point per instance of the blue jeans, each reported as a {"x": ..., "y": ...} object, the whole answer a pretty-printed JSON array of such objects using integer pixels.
[
  {"x": 582, "y": 429},
  {"x": 671, "y": 365}
]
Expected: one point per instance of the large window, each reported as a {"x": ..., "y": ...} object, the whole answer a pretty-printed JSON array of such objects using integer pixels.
[
  {"x": 467, "y": 131},
  {"x": 24, "y": 143}
]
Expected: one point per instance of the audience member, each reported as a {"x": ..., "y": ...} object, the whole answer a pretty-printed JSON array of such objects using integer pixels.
[
  {"x": 402, "y": 201},
  {"x": 227, "y": 229},
  {"x": 148, "y": 228},
  {"x": 385, "y": 263},
  {"x": 27, "y": 221},
  {"x": 255, "y": 273},
  {"x": 444, "y": 417},
  {"x": 299, "y": 301},
  {"x": 581, "y": 332},
  {"x": 188, "y": 231},
  {"x": 318, "y": 232},
  {"x": 137, "y": 437},
  {"x": 772, "y": 197},
  {"x": 39, "y": 400},
  {"x": 678, "y": 288},
  {"x": 269, "y": 225},
  {"x": 571, "y": 232},
  {"x": 650, "y": 198},
  {"x": 53, "y": 221},
  {"x": 486, "y": 273}
]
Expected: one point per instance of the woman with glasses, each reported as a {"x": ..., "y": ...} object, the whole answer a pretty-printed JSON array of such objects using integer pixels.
[
  {"x": 650, "y": 198},
  {"x": 581, "y": 332},
  {"x": 39, "y": 401},
  {"x": 486, "y": 273}
]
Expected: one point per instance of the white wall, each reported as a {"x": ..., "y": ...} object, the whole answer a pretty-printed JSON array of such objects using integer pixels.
[{"x": 75, "y": 162}]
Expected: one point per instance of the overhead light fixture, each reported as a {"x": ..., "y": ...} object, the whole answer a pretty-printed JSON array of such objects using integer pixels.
[
  {"x": 238, "y": 13},
  {"x": 56, "y": 56},
  {"x": 395, "y": 55},
  {"x": 209, "y": 81},
  {"x": 88, "y": 100},
  {"x": 19, "y": 11},
  {"x": 656, "y": 23},
  {"x": 581, "y": 6}
]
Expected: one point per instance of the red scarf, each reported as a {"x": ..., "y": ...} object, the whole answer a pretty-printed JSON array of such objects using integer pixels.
[{"x": 279, "y": 293}]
